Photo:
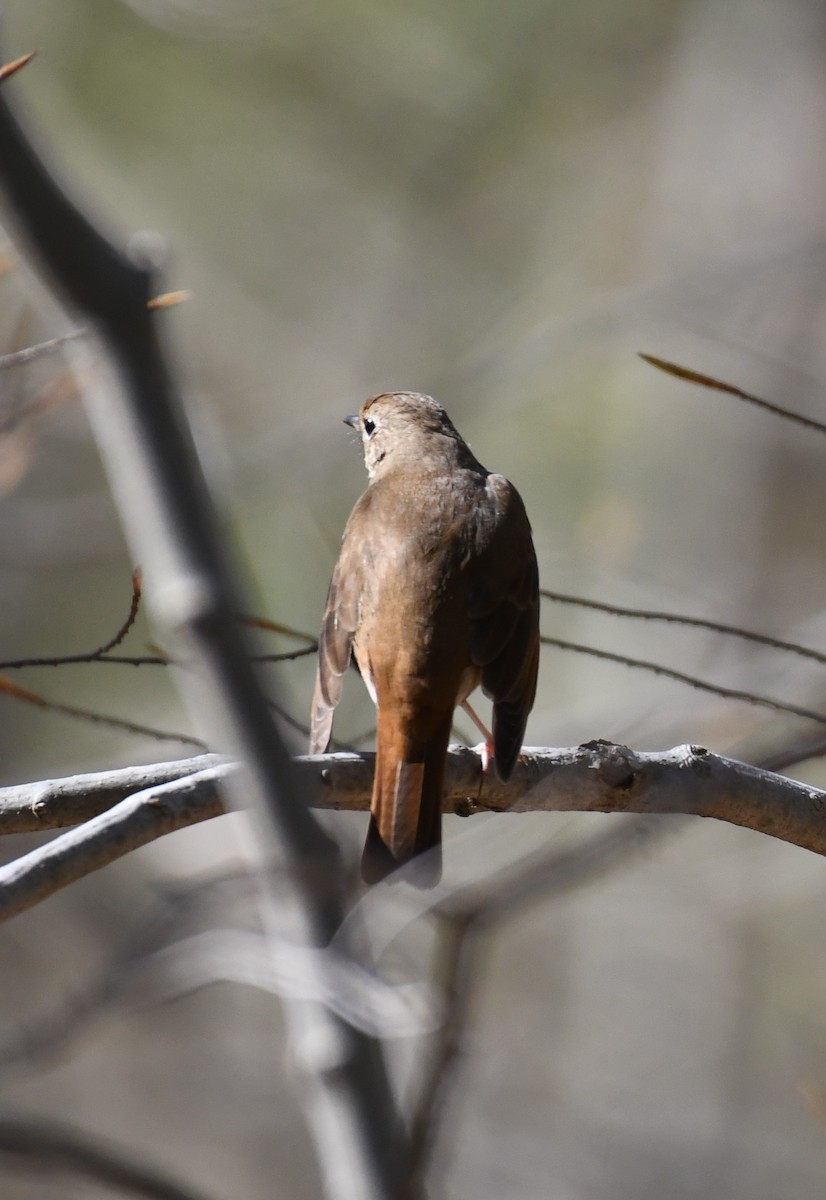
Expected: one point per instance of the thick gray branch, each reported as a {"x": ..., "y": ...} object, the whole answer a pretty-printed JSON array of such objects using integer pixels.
[
  {"x": 602, "y": 777},
  {"x": 58, "y": 803},
  {"x": 131, "y": 823},
  {"x": 139, "y": 804}
]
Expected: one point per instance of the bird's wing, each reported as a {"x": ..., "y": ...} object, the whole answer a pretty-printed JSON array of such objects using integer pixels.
[
  {"x": 335, "y": 642},
  {"x": 504, "y": 612}
]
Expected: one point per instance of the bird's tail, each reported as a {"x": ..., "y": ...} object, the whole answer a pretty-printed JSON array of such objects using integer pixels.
[{"x": 406, "y": 809}]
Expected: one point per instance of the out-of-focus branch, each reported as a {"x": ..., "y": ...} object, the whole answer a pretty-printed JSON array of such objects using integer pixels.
[
  {"x": 597, "y": 777},
  {"x": 46, "y": 1146},
  {"x": 160, "y": 959},
  {"x": 474, "y": 913},
  {"x": 150, "y": 457}
]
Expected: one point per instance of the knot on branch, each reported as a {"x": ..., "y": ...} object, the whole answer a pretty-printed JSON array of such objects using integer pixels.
[{"x": 614, "y": 764}]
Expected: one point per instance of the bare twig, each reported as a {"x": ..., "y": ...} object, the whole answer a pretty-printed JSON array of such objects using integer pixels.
[
  {"x": 645, "y": 614},
  {"x": 30, "y": 354},
  {"x": 278, "y": 966},
  {"x": 285, "y": 655},
  {"x": 793, "y": 753},
  {"x": 268, "y": 626},
  {"x": 101, "y": 652},
  {"x": 11, "y": 68},
  {"x": 131, "y": 616},
  {"x": 168, "y": 299},
  {"x": 703, "y": 685},
  {"x": 17, "y": 692},
  {"x": 708, "y": 381}
]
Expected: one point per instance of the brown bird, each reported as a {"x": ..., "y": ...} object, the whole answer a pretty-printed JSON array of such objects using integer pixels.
[{"x": 435, "y": 591}]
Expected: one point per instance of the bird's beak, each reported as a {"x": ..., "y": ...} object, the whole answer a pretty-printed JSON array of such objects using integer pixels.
[{"x": 352, "y": 421}]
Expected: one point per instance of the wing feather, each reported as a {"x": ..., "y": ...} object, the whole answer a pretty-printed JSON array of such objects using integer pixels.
[
  {"x": 505, "y": 623},
  {"x": 335, "y": 642}
]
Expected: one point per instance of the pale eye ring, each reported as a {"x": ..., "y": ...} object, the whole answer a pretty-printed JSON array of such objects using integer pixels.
[{"x": 369, "y": 426}]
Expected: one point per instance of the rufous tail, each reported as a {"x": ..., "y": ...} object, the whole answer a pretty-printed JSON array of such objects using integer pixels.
[{"x": 406, "y": 809}]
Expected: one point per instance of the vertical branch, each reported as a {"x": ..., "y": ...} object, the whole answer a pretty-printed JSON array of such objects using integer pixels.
[{"x": 149, "y": 454}]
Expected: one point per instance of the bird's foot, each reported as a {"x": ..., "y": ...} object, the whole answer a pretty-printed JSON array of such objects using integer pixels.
[{"x": 485, "y": 748}]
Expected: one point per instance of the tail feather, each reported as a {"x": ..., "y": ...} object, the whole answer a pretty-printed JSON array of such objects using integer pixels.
[
  {"x": 406, "y": 809},
  {"x": 377, "y": 862}
]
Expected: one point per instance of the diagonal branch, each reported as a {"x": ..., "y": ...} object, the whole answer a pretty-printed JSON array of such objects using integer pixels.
[
  {"x": 671, "y": 618},
  {"x": 57, "y": 803},
  {"x": 57, "y": 1148},
  {"x": 133, "y": 822},
  {"x": 718, "y": 385},
  {"x": 703, "y": 685},
  {"x": 159, "y": 486}
]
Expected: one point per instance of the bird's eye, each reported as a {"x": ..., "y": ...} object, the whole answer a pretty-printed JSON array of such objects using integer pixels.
[{"x": 369, "y": 426}]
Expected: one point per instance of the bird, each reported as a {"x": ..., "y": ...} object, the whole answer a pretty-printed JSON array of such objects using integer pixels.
[{"x": 435, "y": 591}]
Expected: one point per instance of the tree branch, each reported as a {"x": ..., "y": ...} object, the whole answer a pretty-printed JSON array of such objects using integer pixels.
[
  {"x": 138, "y": 805},
  {"x": 150, "y": 455},
  {"x": 133, "y": 822},
  {"x": 48, "y": 1146},
  {"x": 58, "y": 803}
]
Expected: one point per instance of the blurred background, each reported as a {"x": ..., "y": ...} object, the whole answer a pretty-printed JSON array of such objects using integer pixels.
[{"x": 500, "y": 205}]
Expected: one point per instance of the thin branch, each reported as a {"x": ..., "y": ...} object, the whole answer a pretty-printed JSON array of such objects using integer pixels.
[
  {"x": 16, "y": 692},
  {"x": 30, "y": 354},
  {"x": 304, "y": 729},
  {"x": 644, "y": 614},
  {"x": 708, "y": 381},
  {"x": 703, "y": 685},
  {"x": 268, "y": 626},
  {"x": 44, "y": 1145},
  {"x": 796, "y": 752},
  {"x": 276, "y": 965},
  {"x": 285, "y": 655},
  {"x": 131, "y": 616},
  {"x": 11, "y": 68},
  {"x": 168, "y": 299},
  {"x": 112, "y": 660},
  {"x": 101, "y": 652}
]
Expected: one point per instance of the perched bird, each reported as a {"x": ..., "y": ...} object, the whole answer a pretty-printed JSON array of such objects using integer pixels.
[{"x": 435, "y": 591}]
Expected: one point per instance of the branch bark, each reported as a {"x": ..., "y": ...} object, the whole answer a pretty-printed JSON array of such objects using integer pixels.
[{"x": 139, "y": 804}]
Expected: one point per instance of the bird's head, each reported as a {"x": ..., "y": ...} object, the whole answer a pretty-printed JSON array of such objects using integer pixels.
[{"x": 396, "y": 426}]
